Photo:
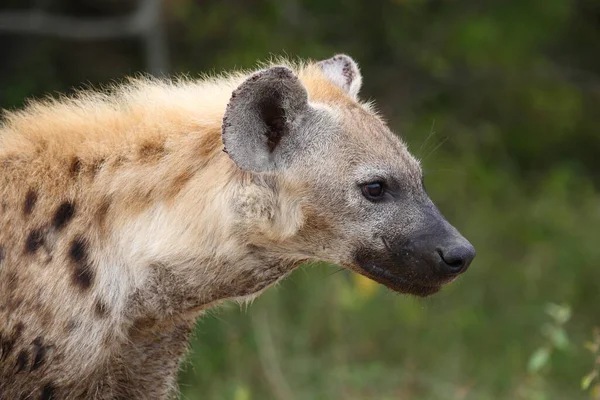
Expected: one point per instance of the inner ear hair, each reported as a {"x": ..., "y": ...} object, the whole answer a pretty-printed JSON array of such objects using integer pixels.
[{"x": 274, "y": 116}]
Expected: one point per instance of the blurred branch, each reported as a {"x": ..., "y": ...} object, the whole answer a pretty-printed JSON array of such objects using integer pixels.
[
  {"x": 145, "y": 22},
  {"x": 42, "y": 23},
  {"x": 268, "y": 357}
]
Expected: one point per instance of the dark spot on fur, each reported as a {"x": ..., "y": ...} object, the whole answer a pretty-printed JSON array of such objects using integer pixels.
[
  {"x": 7, "y": 343},
  {"x": 101, "y": 309},
  {"x": 83, "y": 274},
  {"x": 30, "y": 200},
  {"x": 14, "y": 303},
  {"x": 12, "y": 280},
  {"x": 46, "y": 316},
  {"x": 39, "y": 353},
  {"x": 151, "y": 151},
  {"x": 97, "y": 165},
  {"x": 179, "y": 182},
  {"x": 34, "y": 241},
  {"x": 6, "y": 346},
  {"x": 117, "y": 161},
  {"x": 48, "y": 392},
  {"x": 77, "y": 250},
  {"x": 143, "y": 324},
  {"x": 63, "y": 215},
  {"x": 208, "y": 146},
  {"x": 2, "y": 254},
  {"x": 72, "y": 325},
  {"x": 22, "y": 361},
  {"x": 42, "y": 145},
  {"x": 18, "y": 330},
  {"x": 103, "y": 210},
  {"x": 75, "y": 166}
]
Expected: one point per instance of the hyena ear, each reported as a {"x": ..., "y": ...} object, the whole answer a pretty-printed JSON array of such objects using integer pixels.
[
  {"x": 343, "y": 71},
  {"x": 260, "y": 119}
]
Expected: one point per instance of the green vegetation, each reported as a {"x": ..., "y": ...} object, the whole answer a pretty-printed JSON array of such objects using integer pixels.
[{"x": 501, "y": 100}]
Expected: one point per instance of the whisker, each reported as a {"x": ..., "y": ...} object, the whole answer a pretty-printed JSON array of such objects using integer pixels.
[
  {"x": 431, "y": 134},
  {"x": 444, "y": 140},
  {"x": 453, "y": 170},
  {"x": 335, "y": 272},
  {"x": 386, "y": 244}
]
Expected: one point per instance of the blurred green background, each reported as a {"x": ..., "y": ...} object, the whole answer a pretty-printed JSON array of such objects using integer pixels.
[{"x": 501, "y": 100}]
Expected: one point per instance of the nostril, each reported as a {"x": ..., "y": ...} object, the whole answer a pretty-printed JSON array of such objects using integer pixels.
[
  {"x": 457, "y": 259},
  {"x": 452, "y": 262}
]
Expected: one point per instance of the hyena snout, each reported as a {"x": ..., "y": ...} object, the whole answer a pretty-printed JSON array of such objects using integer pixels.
[
  {"x": 438, "y": 249},
  {"x": 418, "y": 262}
]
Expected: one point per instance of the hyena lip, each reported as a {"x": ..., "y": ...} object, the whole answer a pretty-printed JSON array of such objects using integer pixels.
[{"x": 397, "y": 283}]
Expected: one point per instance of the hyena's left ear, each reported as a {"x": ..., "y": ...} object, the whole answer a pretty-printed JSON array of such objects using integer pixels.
[
  {"x": 261, "y": 117},
  {"x": 343, "y": 71}
]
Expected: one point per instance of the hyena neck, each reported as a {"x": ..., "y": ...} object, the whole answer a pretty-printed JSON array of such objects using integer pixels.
[{"x": 187, "y": 254}]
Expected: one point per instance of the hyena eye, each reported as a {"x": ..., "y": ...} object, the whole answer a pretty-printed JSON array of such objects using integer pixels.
[{"x": 373, "y": 190}]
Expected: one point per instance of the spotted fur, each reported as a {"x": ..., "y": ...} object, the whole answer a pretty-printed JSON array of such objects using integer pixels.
[{"x": 122, "y": 219}]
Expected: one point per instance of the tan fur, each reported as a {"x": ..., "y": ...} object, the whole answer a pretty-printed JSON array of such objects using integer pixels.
[{"x": 114, "y": 233}]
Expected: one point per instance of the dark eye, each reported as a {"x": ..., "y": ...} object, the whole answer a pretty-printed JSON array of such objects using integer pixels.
[{"x": 373, "y": 190}]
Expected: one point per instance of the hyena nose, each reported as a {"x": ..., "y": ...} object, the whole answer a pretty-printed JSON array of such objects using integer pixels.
[{"x": 456, "y": 258}]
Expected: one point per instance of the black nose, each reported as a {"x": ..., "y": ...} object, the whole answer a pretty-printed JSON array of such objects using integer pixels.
[{"x": 456, "y": 258}]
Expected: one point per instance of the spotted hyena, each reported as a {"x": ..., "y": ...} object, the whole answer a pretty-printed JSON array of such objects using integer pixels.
[{"x": 125, "y": 213}]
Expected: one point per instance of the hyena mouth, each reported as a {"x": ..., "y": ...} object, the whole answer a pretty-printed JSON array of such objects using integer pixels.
[{"x": 395, "y": 282}]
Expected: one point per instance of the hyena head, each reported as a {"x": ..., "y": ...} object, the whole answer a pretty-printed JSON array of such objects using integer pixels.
[{"x": 338, "y": 185}]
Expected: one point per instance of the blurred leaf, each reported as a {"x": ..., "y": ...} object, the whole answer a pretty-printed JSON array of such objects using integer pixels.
[
  {"x": 592, "y": 347},
  {"x": 539, "y": 359},
  {"x": 587, "y": 380},
  {"x": 241, "y": 393},
  {"x": 560, "y": 313},
  {"x": 559, "y": 338}
]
